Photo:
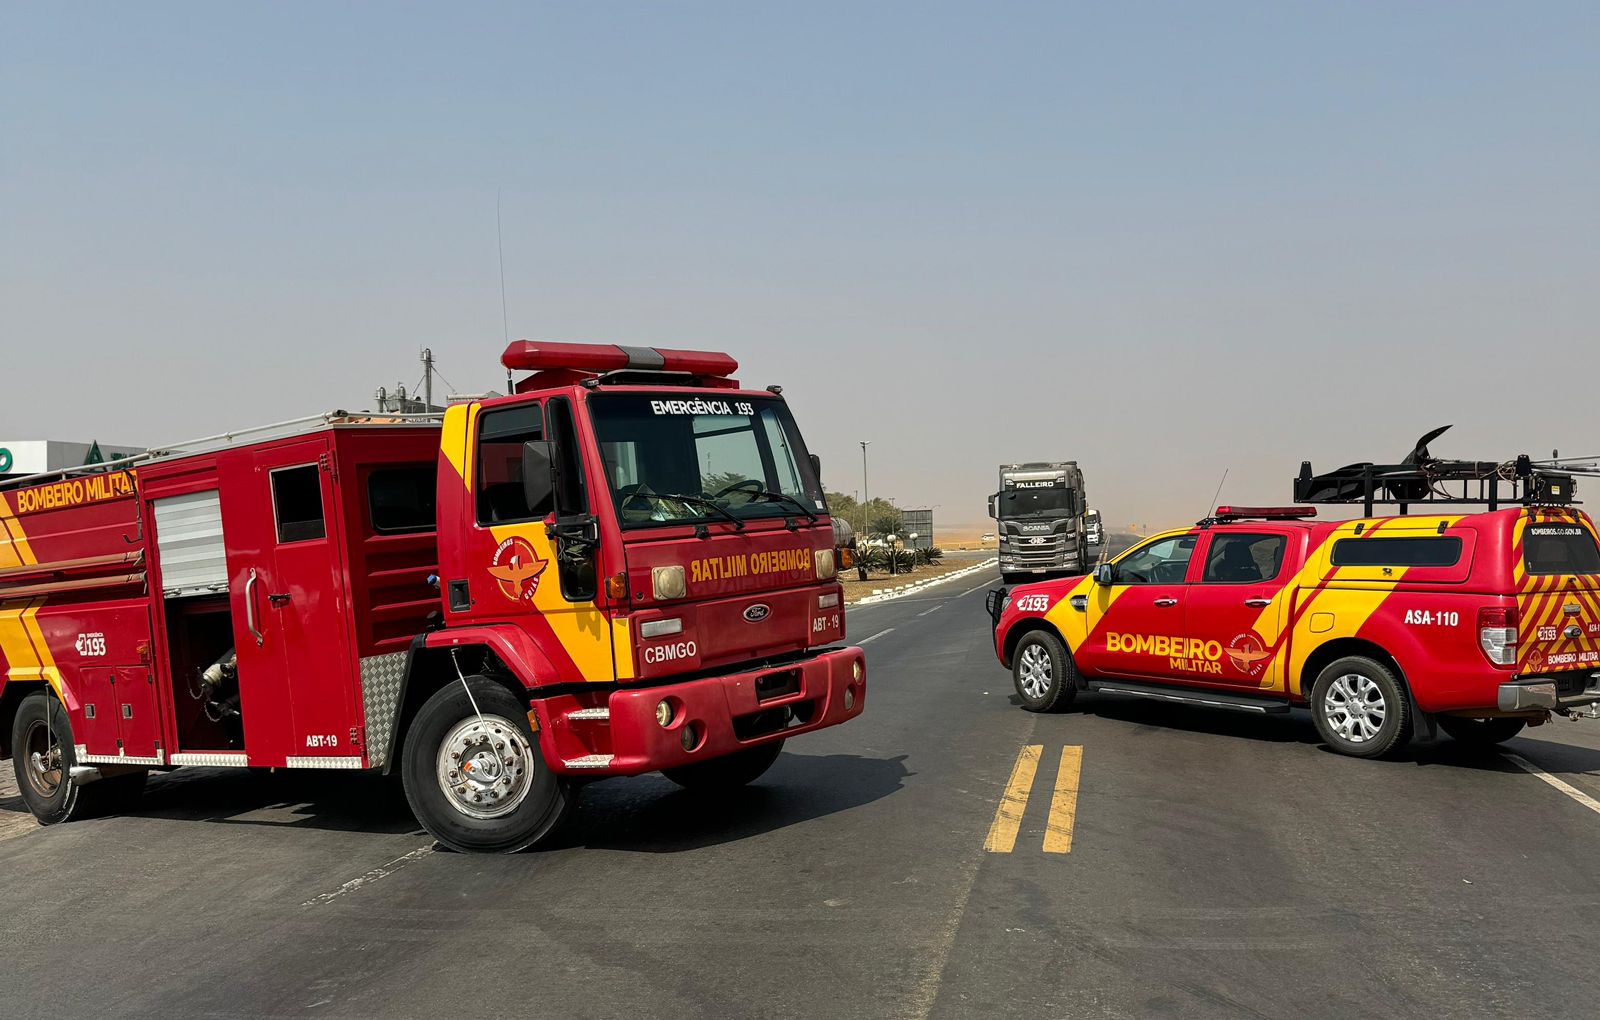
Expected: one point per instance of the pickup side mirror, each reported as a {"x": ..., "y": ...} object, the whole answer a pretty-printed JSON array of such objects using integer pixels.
[
  {"x": 994, "y": 510},
  {"x": 539, "y": 475},
  {"x": 1105, "y": 575}
]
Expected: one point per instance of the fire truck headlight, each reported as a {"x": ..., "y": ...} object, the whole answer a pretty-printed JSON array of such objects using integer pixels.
[
  {"x": 664, "y": 713},
  {"x": 855, "y": 669},
  {"x": 825, "y": 565},
  {"x": 828, "y": 601},
  {"x": 668, "y": 582}
]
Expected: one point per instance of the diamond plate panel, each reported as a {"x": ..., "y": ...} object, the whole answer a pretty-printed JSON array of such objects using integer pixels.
[{"x": 382, "y": 677}]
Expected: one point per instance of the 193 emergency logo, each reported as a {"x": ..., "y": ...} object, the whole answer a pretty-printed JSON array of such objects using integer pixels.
[
  {"x": 90, "y": 646},
  {"x": 1033, "y": 604}
]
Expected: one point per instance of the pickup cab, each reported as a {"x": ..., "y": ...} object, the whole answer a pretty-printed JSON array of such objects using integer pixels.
[{"x": 1478, "y": 624}]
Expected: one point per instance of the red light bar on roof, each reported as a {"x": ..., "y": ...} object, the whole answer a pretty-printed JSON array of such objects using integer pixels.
[
  {"x": 539, "y": 356},
  {"x": 1266, "y": 513}
]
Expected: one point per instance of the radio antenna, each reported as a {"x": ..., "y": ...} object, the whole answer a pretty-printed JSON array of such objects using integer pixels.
[
  {"x": 1218, "y": 494},
  {"x": 500, "y": 245}
]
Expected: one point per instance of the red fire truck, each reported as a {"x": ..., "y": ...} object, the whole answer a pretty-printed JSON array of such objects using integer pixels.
[{"x": 626, "y": 566}]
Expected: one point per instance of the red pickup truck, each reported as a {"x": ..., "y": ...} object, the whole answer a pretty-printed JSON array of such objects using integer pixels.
[{"x": 1479, "y": 624}]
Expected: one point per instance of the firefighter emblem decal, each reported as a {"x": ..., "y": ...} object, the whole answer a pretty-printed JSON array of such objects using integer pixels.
[
  {"x": 516, "y": 569},
  {"x": 1248, "y": 655}
]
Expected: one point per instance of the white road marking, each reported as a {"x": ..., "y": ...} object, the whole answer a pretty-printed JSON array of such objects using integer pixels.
[
  {"x": 874, "y": 637},
  {"x": 969, "y": 591},
  {"x": 1565, "y": 787},
  {"x": 370, "y": 877},
  {"x": 935, "y": 609}
]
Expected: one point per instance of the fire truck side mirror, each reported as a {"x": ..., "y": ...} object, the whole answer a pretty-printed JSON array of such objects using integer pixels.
[
  {"x": 1105, "y": 574},
  {"x": 539, "y": 475},
  {"x": 816, "y": 468},
  {"x": 994, "y": 507}
]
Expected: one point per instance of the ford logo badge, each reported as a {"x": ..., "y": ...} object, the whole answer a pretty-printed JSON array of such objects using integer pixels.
[{"x": 758, "y": 612}]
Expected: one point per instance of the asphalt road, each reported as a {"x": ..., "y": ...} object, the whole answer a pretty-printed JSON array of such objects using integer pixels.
[{"x": 1173, "y": 862}]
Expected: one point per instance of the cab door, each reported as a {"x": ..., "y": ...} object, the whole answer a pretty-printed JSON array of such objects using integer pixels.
[
  {"x": 514, "y": 567},
  {"x": 1233, "y": 608},
  {"x": 1138, "y": 620}
]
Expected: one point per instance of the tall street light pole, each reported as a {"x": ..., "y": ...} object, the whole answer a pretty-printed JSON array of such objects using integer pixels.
[{"x": 864, "y": 489}]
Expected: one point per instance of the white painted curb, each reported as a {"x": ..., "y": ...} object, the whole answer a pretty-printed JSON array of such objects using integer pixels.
[{"x": 879, "y": 595}]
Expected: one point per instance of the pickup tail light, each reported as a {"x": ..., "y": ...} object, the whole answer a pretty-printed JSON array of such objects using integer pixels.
[{"x": 1497, "y": 635}]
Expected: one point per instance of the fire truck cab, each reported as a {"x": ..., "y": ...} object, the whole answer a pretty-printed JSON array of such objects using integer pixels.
[{"x": 625, "y": 566}]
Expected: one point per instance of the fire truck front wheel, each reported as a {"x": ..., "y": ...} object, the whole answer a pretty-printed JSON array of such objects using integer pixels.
[
  {"x": 42, "y": 752},
  {"x": 1360, "y": 708},
  {"x": 473, "y": 773}
]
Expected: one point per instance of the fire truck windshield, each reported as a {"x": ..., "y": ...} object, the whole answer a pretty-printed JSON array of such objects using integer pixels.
[
  {"x": 676, "y": 458},
  {"x": 1036, "y": 502}
]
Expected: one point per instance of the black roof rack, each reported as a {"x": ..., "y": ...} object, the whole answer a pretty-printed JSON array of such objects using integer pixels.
[{"x": 1420, "y": 479}]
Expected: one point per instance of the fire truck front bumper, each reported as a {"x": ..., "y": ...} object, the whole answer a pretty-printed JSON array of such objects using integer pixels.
[{"x": 713, "y": 716}]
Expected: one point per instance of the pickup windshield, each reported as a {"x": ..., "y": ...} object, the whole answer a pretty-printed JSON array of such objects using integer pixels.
[
  {"x": 672, "y": 459},
  {"x": 1036, "y": 502}
]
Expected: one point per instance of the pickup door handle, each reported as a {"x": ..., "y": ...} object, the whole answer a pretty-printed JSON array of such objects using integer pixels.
[
  {"x": 1166, "y": 602},
  {"x": 1258, "y": 603}
]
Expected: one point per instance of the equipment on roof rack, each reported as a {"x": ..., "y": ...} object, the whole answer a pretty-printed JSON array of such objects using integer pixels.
[{"x": 1422, "y": 479}]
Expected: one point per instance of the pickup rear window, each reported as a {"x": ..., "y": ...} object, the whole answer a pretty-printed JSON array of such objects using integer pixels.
[
  {"x": 1560, "y": 549},
  {"x": 1431, "y": 551}
]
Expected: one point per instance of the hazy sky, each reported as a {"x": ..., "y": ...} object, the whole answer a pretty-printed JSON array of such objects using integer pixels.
[{"x": 1163, "y": 240}]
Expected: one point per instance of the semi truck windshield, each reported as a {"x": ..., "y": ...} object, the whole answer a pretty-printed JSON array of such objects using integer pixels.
[
  {"x": 1026, "y": 502},
  {"x": 676, "y": 460}
]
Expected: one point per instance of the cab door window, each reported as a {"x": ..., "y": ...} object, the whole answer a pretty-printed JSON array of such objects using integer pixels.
[
  {"x": 500, "y": 496},
  {"x": 1165, "y": 561},
  {"x": 1236, "y": 558}
]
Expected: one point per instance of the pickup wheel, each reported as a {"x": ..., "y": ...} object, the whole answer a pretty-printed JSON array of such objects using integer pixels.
[
  {"x": 1360, "y": 708},
  {"x": 1481, "y": 732},
  {"x": 41, "y": 746},
  {"x": 728, "y": 772},
  {"x": 473, "y": 773},
  {"x": 1042, "y": 669}
]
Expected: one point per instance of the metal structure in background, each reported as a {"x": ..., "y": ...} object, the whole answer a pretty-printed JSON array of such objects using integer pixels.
[
  {"x": 920, "y": 524},
  {"x": 1422, "y": 479}
]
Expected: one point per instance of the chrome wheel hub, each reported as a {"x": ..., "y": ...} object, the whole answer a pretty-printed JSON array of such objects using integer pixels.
[
  {"x": 1354, "y": 708},
  {"x": 485, "y": 766},
  {"x": 44, "y": 760},
  {"x": 1034, "y": 671}
]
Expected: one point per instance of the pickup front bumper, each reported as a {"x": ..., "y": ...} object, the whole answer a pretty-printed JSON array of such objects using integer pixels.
[{"x": 1549, "y": 693}]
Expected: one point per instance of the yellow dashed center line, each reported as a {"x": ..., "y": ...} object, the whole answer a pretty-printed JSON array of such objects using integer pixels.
[
  {"x": 1013, "y": 805},
  {"x": 1008, "y": 816},
  {"x": 1064, "y": 805}
]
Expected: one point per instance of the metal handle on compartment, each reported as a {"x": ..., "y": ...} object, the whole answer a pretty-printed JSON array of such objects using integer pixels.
[
  {"x": 1258, "y": 603},
  {"x": 1166, "y": 602},
  {"x": 250, "y": 608}
]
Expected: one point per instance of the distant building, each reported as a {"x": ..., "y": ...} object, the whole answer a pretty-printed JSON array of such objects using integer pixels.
[{"x": 19, "y": 457}]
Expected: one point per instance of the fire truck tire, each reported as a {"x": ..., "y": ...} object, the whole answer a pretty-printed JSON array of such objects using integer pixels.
[
  {"x": 1481, "y": 732},
  {"x": 728, "y": 772},
  {"x": 473, "y": 773},
  {"x": 1360, "y": 708},
  {"x": 45, "y": 782},
  {"x": 1045, "y": 676}
]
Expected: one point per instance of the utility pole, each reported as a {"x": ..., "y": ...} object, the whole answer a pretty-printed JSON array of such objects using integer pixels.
[
  {"x": 864, "y": 489},
  {"x": 427, "y": 380}
]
